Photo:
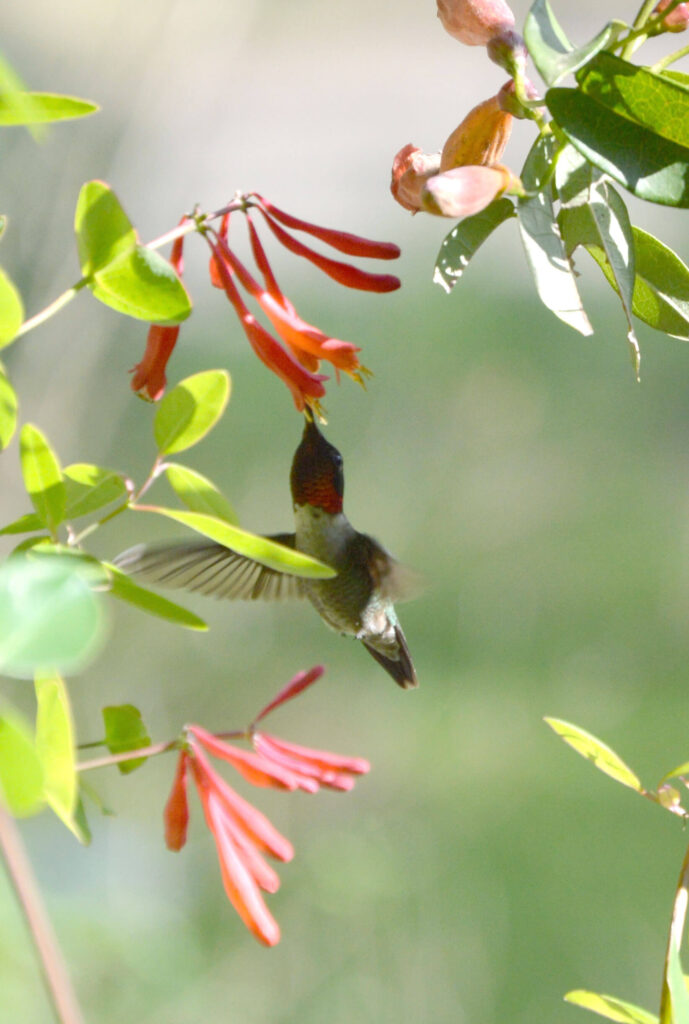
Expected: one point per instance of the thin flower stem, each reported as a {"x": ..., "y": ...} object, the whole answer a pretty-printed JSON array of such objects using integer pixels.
[
  {"x": 54, "y": 307},
  {"x": 128, "y": 755},
  {"x": 679, "y": 913},
  {"x": 670, "y": 59},
  {"x": 62, "y": 996}
]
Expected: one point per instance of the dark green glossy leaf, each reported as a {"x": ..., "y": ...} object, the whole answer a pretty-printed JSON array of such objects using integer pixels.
[
  {"x": 551, "y": 51},
  {"x": 8, "y": 410},
  {"x": 593, "y": 749},
  {"x": 42, "y": 107},
  {"x": 42, "y": 476},
  {"x": 639, "y": 95},
  {"x": 125, "y": 589},
  {"x": 262, "y": 550},
  {"x": 198, "y": 493},
  {"x": 49, "y": 616},
  {"x": 89, "y": 488},
  {"x": 465, "y": 239},
  {"x": 21, "y": 773},
  {"x": 103, "y": 229},
  {"x": 55, "y": 746},
  {"x": 651, "y": 167},
  {"x": 610, "y": 1007},
  {"x": 142, "y": 284},
  {"x": 11, "y": 309},
  {"x": 125, "y": 730},
  {"x": 191, "y": 410},
  {"x": 545, "y": 250},
  {"x": 661, "y": 285}
]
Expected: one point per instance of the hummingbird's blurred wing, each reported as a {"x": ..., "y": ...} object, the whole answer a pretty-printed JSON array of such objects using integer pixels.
[
  {"x": 392, "y": 580},
  {"x": 211, "y": 568}
]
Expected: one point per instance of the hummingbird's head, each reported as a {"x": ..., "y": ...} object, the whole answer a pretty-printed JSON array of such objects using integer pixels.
[{"x": 317, "y": 478}]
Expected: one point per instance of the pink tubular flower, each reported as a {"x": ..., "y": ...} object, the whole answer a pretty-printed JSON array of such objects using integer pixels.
[
  {"x": 320, "y": 766},
  {"x": 411, "y": 169},
  {"x": 466, "y": 190},
  {"x": 677, "y": 20},
  {"x": 149, "y": 378},
  {"x": 475, "y": 22}
]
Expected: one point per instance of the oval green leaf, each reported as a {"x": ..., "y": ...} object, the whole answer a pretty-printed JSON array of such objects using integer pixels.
[
  {"x": 21, "y": 773},
  {"x": 123, "y": 588},
  {"x": 465, "y": 239},
  {"x": 49, "y": 616},
  {"x": 610, "y": 1007},
  {"x": 142, "y": 284},
  {"x": 103, "y": 229},
  {"x": 551, "y": 51},
  {"x": 191, "y": 410},
  {"x": 124, "y": 731},
  {"x": 267, "y": 552},
  {"x": 8, "y": 410},
  {"x": 11, "y": 309},
  {"x": 42, "y": 476},
  {"x": 89, "y": 488},
  {"x": 42, "y": 108},
  {"x": 55, "y": 746},
  {"x": 198, "y": 493},
  {"x": 28, "y": 523},
  {"x": 649, "y": 166},
  {"x": 605, "y": 759}
]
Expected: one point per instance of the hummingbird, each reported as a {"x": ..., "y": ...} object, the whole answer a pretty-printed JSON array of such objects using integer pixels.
[{"x": 357, "y": 602}]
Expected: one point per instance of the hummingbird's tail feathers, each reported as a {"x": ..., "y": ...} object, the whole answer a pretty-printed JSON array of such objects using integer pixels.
[
  {"x": 400, "y": 668},
  {"x": 210, "y": 568}
]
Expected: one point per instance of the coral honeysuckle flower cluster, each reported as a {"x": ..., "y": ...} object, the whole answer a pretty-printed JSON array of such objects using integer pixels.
[
  {"x": 242, "y": 834},
  {"x": 296, "y": 349},
  {"x": 467, "y": 174}
]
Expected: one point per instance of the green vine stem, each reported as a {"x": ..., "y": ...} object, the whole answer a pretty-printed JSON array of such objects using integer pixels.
[
  {"x": 665, "y": 62},
  {"x": 58, "y": 984},
  {"x": 679, "y": 913}
]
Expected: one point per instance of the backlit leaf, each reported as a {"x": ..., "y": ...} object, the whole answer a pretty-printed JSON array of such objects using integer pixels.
[
  {"x": 89, "y": 488},
  {"x": 21, "y": 774},
  {"x": 465, "y": 239},
  {"x": 188, "y": 412},
  {"x": 594, "y": 750},
  {"x": 11, "y": 308},
  {"x": 103, "y": 229},
  {"x": 42, "y": 476},
  {"x": 8, "y": 410},
  {"x": 125, "y": 589},
  {"x": 42, "y": 108},
  {"x": 611, "y": 1007},
  {"x": 142, "y": 284},
  {"x": 198, "y": 493},
  {"x": 55, "y": 746},
  {"x": 125, "y": 730},
  {"x": 25, "y": 524}
]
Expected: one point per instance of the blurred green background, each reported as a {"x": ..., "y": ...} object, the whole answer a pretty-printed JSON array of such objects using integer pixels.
[{"x": 482, "y": 869}]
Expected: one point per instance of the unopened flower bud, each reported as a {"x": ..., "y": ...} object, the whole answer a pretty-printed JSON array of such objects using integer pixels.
[
  {"x": 411, "y": 169},
  {"x": 466, "y": 190},
  {"x": 508, "y": 50},
  {"x": 676, "y": 21},
  {"x": 475, "y": 22},
  {"x": 509, "y": 102},
  {"x": 480, "y": 138}
]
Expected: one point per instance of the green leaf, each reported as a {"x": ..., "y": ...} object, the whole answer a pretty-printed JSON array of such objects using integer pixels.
[
  {"x": 125, "y": 730},
  {"x": 25, "y": 524},
  {"x": 465, "y": 239},
  {"x": 679, "y": 997},
  {"x": 572, "y": 177},
  {"x": 682, "y": 769},
  {"x": 191, "y": 410},
  {"x": 80, "y": 825},
  {"x": 11, "y": 308},
  {"x": 603, "y": 223},
  {"x": 198, "y": 493},
  {"x": 89, "y": 488},
  {"x": 610, "y": 1007},
  {"x": 639, "y": 95},
  {"x": 103, "y": 229},
  {"x": 21, "y": 108},
  {"x": 545, "y": 250},
  {"x": 551, "y": 51},
  {"x": 142, "y": 284},
  {"x": 21, "y": 774},
  {"x": 661, "y": 285},
  {"x": 42, "y": 476},
  {"x": 267, "y": 552},
  {"x": 649, "y": 166},
  {"x": 55, "y": 746},
  {"x": 125, "y": 589},
  {"x": 605, "y": 759},
  {"x": 8, "y": 410},
  {"x": 49, "y": 616}
]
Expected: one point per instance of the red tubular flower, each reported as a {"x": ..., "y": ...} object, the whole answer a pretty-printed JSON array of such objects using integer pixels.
[
  {"x": 250, "y": 766},
  {"x": 149, "y": 375},
  {"x": 293, "y": 688},
  {"x": 331, "y": 770},
  {"x": 176, "y": 813}
]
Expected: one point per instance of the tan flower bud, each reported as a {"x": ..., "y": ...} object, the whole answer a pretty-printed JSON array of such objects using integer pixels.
[
  {"x": 466, "y": 190},
  {"x": 411, "y": 168},
  {"x": 480, "y": 138},
  {"x": 677, "y": 20},
  {"x": 475, "y": 22}
]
